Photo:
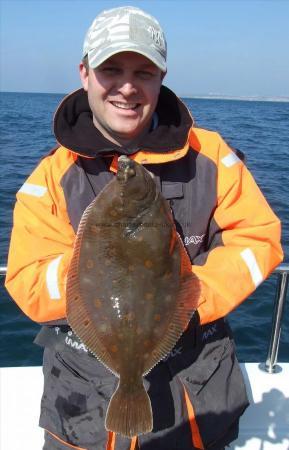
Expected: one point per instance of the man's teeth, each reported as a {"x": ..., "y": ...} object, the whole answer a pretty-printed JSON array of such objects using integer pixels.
[{"x": 125, "y": 105}]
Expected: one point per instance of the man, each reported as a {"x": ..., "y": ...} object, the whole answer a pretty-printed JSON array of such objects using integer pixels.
[{"x": 230, "y": 233}]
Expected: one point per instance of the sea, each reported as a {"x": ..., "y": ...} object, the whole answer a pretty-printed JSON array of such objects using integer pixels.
[{"x": 260, "y": 129}]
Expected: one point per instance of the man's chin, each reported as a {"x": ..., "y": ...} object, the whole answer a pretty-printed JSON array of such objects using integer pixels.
[
  {"x": 122, "y": 132},
  {"x": 127, "y": 134}
]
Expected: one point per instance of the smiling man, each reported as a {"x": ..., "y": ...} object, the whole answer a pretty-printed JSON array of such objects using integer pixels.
[
  {"x": 230, "y": 233},
  {"x": 122, "y": 93},
  {"x": 126, "y": 50}
]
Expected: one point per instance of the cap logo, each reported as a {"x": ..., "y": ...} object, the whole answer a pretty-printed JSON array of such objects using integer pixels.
[{"x": 157, "y": 36}]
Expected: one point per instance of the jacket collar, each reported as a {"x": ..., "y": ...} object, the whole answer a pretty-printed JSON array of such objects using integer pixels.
[{"x": 74, "y": 129}]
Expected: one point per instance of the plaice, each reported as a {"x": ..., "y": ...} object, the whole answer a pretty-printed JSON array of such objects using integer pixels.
[{"x": 130, "y": 288}]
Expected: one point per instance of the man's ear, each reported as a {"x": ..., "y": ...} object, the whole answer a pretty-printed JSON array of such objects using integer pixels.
[
  {"x": 83, "y": 73},
  {"x": 163, "y": 74}
]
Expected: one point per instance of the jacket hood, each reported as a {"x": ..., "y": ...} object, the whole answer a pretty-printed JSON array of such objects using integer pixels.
[{"x": 74, "y": 128}]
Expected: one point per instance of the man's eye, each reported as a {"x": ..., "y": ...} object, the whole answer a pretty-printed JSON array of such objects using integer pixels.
[
  {"x": 144, "y": 75},
  {"x": 110, "y": 70}
]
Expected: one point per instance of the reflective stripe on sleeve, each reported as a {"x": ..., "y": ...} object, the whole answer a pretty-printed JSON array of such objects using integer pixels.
[
  {"x": 230, "y": 160},
  {"x": 52, "y": 279},
  {"x": 251, "y": 262},
  {"x": 33, "y": 189}
]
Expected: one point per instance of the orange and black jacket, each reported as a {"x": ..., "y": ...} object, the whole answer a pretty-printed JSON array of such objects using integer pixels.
[
  {"x": 228, "y": 229},
  {"x": 231, "y": 234}
]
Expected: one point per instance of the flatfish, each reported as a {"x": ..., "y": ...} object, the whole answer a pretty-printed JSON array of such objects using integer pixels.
[{"x": 130, "y": 288}]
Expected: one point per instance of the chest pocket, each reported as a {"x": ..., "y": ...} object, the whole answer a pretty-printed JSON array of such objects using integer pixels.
[
  {"x": 174, "y": 193},
  {"x": 181, "y": 200},
  {"x": 172, "y": 190}
]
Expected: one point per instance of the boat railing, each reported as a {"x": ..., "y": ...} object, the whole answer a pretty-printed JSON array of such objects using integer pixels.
[{"x": 270, "y": 365}]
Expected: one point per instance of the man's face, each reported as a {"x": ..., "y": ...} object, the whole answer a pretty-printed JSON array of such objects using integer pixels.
[{"x": 122, "y": 94}]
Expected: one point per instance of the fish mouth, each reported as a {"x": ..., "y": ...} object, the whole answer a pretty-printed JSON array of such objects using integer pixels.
[{"x": 125, "y": 168}]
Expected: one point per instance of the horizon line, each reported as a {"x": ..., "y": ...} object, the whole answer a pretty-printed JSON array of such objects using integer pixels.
[{"x": 277, "y": 98}]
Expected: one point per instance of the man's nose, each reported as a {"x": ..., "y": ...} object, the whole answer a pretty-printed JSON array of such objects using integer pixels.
[{"x": 127, "y": 87}]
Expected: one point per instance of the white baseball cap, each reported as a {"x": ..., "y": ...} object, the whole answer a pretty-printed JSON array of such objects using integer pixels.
[{"x": 125, "y": 29}]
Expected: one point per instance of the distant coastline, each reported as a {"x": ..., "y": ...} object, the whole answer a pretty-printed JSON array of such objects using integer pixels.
[
  {"x": 252, "y": 98},
  {"x": 249, "y": 98}
]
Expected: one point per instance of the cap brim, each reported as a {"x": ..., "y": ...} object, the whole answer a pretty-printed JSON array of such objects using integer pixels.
[{"x": 94, "y": 59}]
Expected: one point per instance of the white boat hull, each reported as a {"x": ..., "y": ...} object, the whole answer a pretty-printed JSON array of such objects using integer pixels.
[{"x": 264, "y": 426}]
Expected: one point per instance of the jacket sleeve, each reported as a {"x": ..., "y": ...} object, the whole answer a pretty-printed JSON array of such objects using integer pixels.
[
  {"x": 244, "y": 240},
  {"x": 40, "y": 247}
]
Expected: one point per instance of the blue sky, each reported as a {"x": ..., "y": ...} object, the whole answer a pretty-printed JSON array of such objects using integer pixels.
[{"x": 229, "y": 47}]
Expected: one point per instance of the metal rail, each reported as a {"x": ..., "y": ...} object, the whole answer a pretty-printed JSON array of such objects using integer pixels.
[
  {"x": 271, "y": 365},
  {"x": 282, "y": 272}
]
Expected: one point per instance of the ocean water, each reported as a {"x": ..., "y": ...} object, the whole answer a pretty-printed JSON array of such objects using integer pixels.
[{"x": 258, "y": 129}]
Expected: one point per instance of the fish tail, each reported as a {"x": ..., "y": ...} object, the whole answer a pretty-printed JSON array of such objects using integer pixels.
[{"x": 129, "y": 411}]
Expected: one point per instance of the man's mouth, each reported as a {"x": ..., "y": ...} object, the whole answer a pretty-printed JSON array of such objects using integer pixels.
[{"x": 122, "y": 105}]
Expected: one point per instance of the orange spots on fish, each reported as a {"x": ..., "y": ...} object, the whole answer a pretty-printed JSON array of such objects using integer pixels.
[
  {"x": 129, "y": 317},
  {"x": 154, "y": 354},
  {"x": 112, "y": 252},
  {"x": 139, "y": 331},
  {"x": 97, "y": 303},
  {"x": 94, "y": 229},
  {"x": 114, "y": 348},
  {"x": 157, "y": 317},
  {"x": 113, "y": 212},
  {"x": 86, "y": 322},
  {"x": 158, "y": 332},
  {"x": 168, "y": 275},
  {"x": 89, "y": 264},
  {"x": 148, "y": 263}
]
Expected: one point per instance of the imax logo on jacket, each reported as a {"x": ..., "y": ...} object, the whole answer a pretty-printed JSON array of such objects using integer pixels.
[{"x": 194, "y": 239}]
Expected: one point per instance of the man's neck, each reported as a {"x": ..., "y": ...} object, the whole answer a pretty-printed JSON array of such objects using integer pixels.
[{"x": 124, "y": 142}]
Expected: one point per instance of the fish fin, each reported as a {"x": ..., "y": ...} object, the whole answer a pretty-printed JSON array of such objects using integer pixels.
[
  {"x": 186, "y": 304},
  {"x": 77, "y": 315},
  {"x": 129, "y": 412}
]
